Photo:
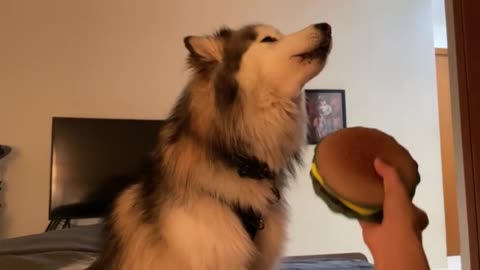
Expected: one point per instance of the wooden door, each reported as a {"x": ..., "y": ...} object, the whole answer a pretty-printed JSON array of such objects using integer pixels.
[
  {"x": 466, "y": 32},
  {"x": 447, "y": 150}
]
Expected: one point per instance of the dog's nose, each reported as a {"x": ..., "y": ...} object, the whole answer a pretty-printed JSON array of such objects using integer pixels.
[{"x": 324, "y": 27}]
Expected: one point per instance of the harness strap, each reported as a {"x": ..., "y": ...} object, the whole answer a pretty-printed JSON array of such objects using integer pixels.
[
  {"x": 249, "y": 167},
  {"x": 251, "y": 221}
]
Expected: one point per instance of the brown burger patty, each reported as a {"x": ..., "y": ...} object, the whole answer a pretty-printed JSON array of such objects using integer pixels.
[{"x": 345, "y": 159}]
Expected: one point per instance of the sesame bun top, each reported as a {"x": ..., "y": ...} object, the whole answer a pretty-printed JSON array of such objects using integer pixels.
[{"x": 344, "y": 159}]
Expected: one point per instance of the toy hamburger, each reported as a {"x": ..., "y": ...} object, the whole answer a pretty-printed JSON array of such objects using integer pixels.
[{"x": 344, "y": 176}]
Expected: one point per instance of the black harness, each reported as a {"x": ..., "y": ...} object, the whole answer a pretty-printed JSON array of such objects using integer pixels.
[
  {"x": 251, "y": 167},
  {"x": 251, "y": 221}
]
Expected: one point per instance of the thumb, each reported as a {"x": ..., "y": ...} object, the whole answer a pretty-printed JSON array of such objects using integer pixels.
[{"x": 392, "y": 184}]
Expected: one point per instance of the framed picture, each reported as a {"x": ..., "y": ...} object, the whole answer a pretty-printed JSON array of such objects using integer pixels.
[{"x": 326, "y": 113}]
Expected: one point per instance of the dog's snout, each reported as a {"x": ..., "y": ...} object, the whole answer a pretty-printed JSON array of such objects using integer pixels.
[{"x": 324, "y": 27}]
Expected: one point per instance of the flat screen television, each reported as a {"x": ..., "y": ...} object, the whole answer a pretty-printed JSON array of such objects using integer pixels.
[{"x": 93, "y": 159}]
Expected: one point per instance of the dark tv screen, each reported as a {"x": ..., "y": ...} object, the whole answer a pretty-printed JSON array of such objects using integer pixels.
[{"x": 93, "y": 159}]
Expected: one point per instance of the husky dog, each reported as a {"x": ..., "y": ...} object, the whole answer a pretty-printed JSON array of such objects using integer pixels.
[{"x": 213, "y": 199}]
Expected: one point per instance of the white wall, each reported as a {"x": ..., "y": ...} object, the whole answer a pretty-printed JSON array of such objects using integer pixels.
[
  {"x": 439, "y": 24},
  {"x": 125, "y": 59}
]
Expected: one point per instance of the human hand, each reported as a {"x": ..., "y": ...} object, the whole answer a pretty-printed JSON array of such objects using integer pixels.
[{"x": 396, "y": 243}]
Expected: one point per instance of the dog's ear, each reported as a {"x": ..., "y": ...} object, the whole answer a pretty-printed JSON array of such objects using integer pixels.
[
  {"x": 205, "y": 48},
  {"x": 205, "y": 52}
]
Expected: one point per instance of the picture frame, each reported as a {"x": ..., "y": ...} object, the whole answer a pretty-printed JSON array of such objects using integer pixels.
[{"x": 326, "y": 112}]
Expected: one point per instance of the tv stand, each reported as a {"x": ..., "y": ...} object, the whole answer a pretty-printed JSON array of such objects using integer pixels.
[{"x": 54, "y": 223}]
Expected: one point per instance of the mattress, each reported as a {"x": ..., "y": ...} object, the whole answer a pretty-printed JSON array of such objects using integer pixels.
[
  {"x": 327, "y": 264},
  {"x": 56, "y": 249}
]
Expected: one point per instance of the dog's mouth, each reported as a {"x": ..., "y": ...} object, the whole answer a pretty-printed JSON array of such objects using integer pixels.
[
  {"x": 322, "y": 50},
  {"x": 319, "y": 52}
]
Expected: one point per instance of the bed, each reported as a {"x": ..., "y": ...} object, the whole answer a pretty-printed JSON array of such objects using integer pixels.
[
  {"x": 58, "y": 248},
  {"x": 77, "y": 192}
]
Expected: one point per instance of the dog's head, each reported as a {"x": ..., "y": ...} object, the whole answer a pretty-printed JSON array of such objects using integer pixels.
[
  {"x": 261, "y": 58},
  {"x": 246, "y": 92}
]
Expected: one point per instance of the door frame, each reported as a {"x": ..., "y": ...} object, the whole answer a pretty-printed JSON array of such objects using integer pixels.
[{"x": 463, "y": 44}]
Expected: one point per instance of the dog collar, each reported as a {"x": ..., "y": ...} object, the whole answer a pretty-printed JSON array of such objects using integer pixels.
[
  {"x": 252, "y": 167},
  {"x": 247, "y": 166}
]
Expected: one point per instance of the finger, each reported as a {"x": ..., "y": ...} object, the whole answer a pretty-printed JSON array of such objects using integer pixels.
[
  {"x": 368, "y": 230},
  {"x": 421, "y": 219},
  {"x": 367, "y": 225},
  {"x": 421, "y": 222},
  {"x": 419, "y": 236},
  {"x": 392, "y": 184},
  {"x": 396, "y": 201}
]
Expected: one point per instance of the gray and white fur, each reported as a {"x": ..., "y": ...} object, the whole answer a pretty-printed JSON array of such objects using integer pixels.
[{"x": 244, "y": 99}]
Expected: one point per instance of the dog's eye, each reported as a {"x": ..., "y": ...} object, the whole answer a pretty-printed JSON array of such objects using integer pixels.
[{"x": 268, "y": 39}]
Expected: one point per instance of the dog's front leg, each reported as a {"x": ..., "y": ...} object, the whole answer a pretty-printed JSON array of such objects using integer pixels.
[{"x": 270, "y": 240}]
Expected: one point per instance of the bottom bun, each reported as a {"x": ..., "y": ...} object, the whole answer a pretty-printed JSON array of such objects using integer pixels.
[{"x": 336, "y": 205}]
